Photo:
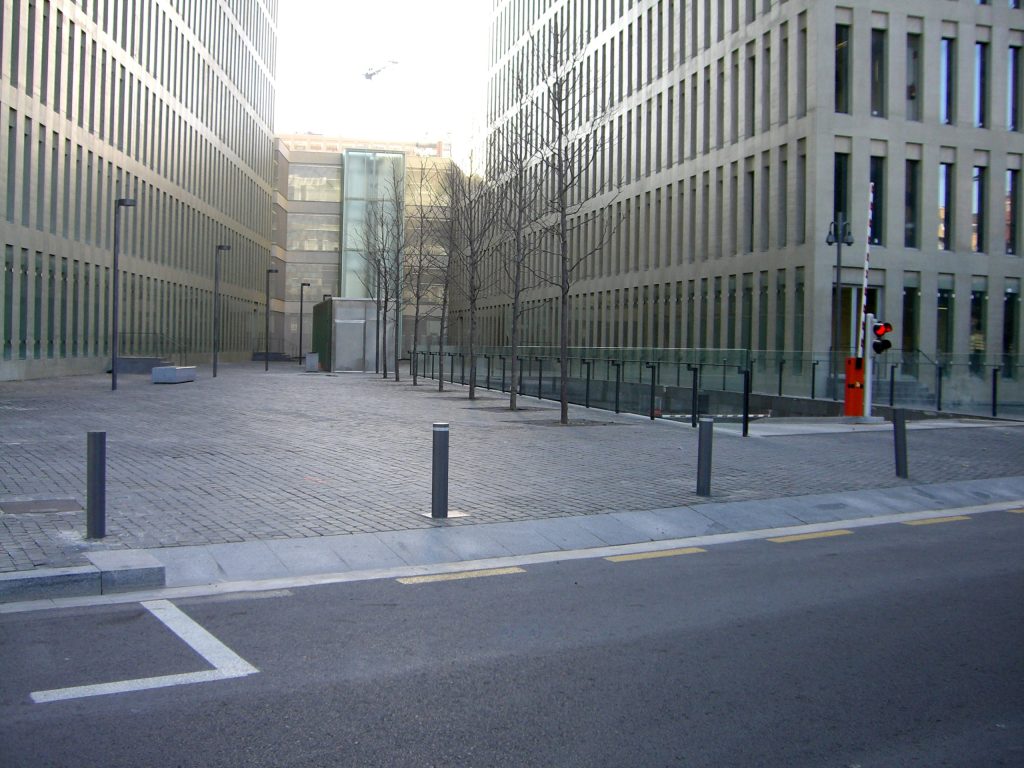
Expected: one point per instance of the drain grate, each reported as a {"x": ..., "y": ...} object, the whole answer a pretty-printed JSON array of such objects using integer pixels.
[{"x": 40, "y": 506}]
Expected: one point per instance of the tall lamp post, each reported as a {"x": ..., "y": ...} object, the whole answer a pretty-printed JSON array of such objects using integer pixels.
[
  {"x": 302, "y": 288},
  {"x": 216, "y": 304},
  {"x": 119, "y": 203},
  {"x": 266, "y": 338},
  {"x": 839, "y": 234}
]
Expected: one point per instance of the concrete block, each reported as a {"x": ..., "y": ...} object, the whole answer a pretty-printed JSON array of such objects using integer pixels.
[
  {"x": 174, "y": 374},
  {"x": 126, "y": 570},
  {"x": 45, "y": 583}
]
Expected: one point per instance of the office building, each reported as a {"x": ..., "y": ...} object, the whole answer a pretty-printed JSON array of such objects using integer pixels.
[
  {"x": 722, "y": 139},
  {"x": 327, "y": 190},
  {"x": 165, "y": 102}
]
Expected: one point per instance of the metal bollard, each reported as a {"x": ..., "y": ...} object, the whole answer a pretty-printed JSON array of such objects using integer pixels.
[
  {"x": 654, "y": 384},
  {"x": 704, "y": 435},
  {"x": 899, "y": 431},
  {"x": 439, "y": 473},
  {"x": 96, "y": 486}
]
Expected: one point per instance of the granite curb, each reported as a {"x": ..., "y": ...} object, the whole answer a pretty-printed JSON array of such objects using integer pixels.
[{"x": 120, "y": 571}]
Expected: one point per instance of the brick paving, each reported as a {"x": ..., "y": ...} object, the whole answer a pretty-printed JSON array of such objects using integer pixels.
[{"x": 254, "y": 456}]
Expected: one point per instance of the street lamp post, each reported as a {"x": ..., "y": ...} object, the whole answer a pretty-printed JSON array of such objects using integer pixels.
[
  {"x": 266, "y": 337},
  {"x": 216, "y": 304},
  {"x": 302, "y": 288},
  {"x": 119, "y": 203},
  {"x": 839, "y": 234}
]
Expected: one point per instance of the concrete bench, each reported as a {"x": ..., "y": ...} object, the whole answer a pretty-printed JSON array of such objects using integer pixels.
[{"x": 174, "y": 374}]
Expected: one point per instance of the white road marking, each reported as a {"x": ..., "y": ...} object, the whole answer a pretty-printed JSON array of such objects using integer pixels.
[{"x": 227, "y": 664}]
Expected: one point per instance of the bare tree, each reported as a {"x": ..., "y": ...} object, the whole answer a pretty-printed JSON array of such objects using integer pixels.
[
  {"x": 472, "y": 207},
  {"x": 554, "y": 135},
  {"x": 425, "y": 260},
  {"x": 450, "y": 236},
  {"x": 384, "y": 242},
  {"x": 517, "y": 154}
]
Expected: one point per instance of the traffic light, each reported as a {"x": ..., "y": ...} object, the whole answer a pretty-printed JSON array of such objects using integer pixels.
[{"x": 880, "y": 329}]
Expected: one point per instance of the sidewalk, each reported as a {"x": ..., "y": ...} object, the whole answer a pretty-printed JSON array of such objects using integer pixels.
[{"x": 257, "y": 474}]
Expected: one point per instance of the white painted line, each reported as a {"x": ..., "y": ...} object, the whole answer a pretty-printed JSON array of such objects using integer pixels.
[
  {"x": 227, "y": 664},
  {"x": 201, "y": 641},
  {"x": 126, "y": 686}
]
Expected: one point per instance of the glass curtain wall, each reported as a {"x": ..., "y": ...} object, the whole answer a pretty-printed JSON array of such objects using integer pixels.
[{"x": 373, "y": 185}]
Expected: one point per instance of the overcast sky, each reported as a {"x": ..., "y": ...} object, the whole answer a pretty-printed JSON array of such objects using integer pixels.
[{"x": 434, "y": 91}]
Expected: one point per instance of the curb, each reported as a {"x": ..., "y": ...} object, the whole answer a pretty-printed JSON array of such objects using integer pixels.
[{"x": 110, "y": 572}]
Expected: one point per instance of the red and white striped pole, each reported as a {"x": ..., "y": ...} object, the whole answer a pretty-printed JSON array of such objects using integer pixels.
[{"x": 862, "y": 341}]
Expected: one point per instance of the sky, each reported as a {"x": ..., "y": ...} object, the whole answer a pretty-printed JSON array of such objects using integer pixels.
[{"x": 435, "y": 91}]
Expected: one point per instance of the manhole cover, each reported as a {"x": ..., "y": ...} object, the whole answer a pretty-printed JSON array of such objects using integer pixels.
[{"x": 40, "y": 506}]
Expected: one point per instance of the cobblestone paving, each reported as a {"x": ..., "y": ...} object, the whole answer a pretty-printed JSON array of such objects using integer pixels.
[{"x": 254, "y": 455}]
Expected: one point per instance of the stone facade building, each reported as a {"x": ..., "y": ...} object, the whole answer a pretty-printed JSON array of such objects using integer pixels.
[
  {"x": 164, "y": 102},
  {"x": 722, "y": 139}
]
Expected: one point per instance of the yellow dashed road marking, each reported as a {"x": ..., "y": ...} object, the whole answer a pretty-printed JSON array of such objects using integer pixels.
[
  {"x": 459, "y": 575},
  {"x": 1017, "y": 511},
  {"x": 806, "y": 536},
  {"x": 934, "y": 520},
  {"x": 652, "y": 555}
]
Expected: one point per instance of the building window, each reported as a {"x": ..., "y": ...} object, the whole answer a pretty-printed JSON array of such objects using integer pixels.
[
  {"x": 944, "y": 318},
  {"x": 748, "y": 203},
  {"x": 945, "y": 206},
  {"x": 750, "y": 90},
  {"x": 877, "y": 224},
  {"x": 910, "y": 318},
  {"x": 1011, "y": 327},
  {"x": 978, "y": 200},
  {"x": 1013, "y": 75},
  {"x": 981, "y": 85},
  {"x": 841, "y": 191},
  {"x": 1012, "y": 212},
  {"x": 912, "y": 205},
  {"x": 842, "y": 86},
  {"x": 747, "y": 311},
  {"x": 913, "y": 76},
  {"x": 798, "y": 319},
  {"x": 979, "y": 310},
  {"x": 947, "y": 81},
  {"x": 762, "y": 314},
  {"x": 780, "y": 310},
  {"x": 321, "y": 183},
  {"x": 313, "y": 232},
  {"x": 879, "y": 73},
  {"x": 784, "y": 76},
  {"x": 801, "y": 193}
]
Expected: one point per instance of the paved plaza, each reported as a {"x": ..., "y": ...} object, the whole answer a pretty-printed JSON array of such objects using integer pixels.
[{"x": 285, "y": 455}]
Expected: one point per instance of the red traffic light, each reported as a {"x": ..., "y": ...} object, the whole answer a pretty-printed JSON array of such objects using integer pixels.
[{"x": 881, "y": 343}]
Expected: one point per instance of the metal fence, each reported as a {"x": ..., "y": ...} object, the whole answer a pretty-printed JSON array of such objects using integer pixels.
[{"x": 671, "y": 382}]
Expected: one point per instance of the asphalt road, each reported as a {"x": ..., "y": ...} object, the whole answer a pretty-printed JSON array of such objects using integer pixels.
[{"x": 892, "y": 645}]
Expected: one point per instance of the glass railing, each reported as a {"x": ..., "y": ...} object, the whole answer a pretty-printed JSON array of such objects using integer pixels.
[{"x": 669, "y": 382}]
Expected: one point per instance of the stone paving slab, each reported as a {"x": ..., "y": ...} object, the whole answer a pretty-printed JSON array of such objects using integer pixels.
[{"x": 266, "y": 459}]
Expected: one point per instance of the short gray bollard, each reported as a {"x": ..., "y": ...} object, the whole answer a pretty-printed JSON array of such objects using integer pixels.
[
  {"x": 705, "y": 430},
  {"x": 96, "y": 486},
  {"x": 899, "y": 429},
  {"x": 439, "y": 476}
]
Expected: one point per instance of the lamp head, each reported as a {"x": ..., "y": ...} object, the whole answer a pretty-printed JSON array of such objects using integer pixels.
[
  {"x": 223, "y": 247},
  {"x": 305, "y": 285},
  {"x": 272, "y": 270},
  {"x": 125, "y": 202}
]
